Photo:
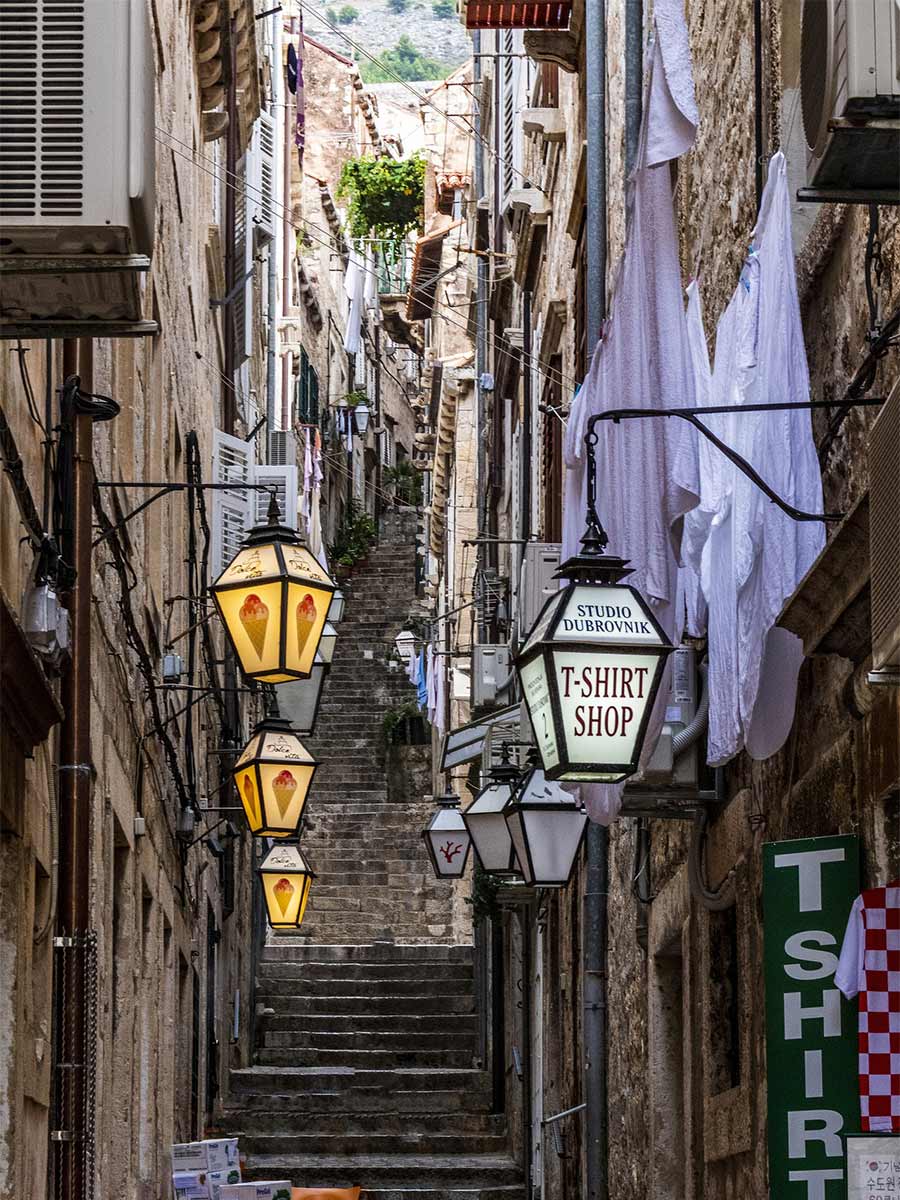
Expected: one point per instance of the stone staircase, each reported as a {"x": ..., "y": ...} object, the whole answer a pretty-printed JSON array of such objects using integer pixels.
[{"x": 367, "y": 1072}]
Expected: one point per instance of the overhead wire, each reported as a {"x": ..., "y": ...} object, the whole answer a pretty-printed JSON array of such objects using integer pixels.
[{"x": 218, "y": 173}]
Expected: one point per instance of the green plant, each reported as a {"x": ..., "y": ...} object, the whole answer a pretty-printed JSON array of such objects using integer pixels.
[
  {"x": 398, "y": 6},
  {"x": 355, "y": 536},
  {"x": 347, "y": 15},
  {"x": 406, "y": 62},
  {"x": 398, "y": 719},
  {"x": 331, "y": 16},
  {"x": 357, "y": 396},
  {"x": 443, "y": 9},
  {"x": 406, "y": 482},
  {"x": 484, "y": 895},
  {"x": 386, "y": 195}
]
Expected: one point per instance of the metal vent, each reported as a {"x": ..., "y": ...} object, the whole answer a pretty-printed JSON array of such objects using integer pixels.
[
  {"x": 884, "y": 533},
  {"x": 42, "y": 68},
  {"x": 817, "y": 46}
]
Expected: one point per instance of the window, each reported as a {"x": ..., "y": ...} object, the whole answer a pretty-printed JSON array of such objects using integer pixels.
[
  {"x": 307, "y": 392},
  {"x": 552, "y": 454}
]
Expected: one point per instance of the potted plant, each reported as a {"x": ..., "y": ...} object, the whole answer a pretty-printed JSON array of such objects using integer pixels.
[
  {"x": 354, "y": 538},
  {"x": 405, "y": 482}
]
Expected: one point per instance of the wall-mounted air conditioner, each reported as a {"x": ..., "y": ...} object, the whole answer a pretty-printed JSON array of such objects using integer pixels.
[
  {"x": 669, "y": 766},
  {"x": 850, "y": 99},
  {"x": 884, "y": 540},
  {"x": 283, "y": 448},
  {"x": 77, "y": 153},
  {"x": 539, "y": 581},
  {"x": 491, "y": 666}
]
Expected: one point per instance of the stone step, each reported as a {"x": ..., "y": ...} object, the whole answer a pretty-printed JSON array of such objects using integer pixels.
[
  {"x": 405, "y": 1042},
  {"x": 388, "y": 1025},
  {"x": 516, "y": 1192},
  {"x": 381, "y": 951},
  {"x": 372, "y": 1059},
  {"x": 379, "y": 1124},
  {"x": 441, "y": 984},
  {"x": 313, "y": 971},
  {"x": 251, "y": 1097},
  {"x": 264, "y": 1078},
  {"x": 288, "y": 1003},
  {"x": 391, "y": 1171},
  {"x": 384, "y": 1146}
]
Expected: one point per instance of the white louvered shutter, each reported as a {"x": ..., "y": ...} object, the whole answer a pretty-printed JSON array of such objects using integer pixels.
[
  {"x": 284, "y": 481},
  {"x": 232, "y": 510},
  {"x": 262, "y": 195},
  {"x": 242, "y": 306}
]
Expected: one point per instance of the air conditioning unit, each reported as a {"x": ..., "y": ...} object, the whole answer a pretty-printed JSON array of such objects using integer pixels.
[
  {"x": 539, "y": 582},
  {"x": 884, "y": 540},
  {"x": 491, "y": 666},
  {"x": 283, "y": 448},
  {"x": 850, "y": 99},
  {"x": 666, "y": 767},
  {"x": 77, "y": 153}
]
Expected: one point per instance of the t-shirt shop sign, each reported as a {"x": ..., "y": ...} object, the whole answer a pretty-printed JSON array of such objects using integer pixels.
[{"x": 809, "y": 886}]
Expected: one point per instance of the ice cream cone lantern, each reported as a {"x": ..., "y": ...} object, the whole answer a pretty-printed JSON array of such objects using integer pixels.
[
  {"x": 286, "y": 878},
  {"x": 273, "y": 775},
  {"x": 273, "y": 598}
]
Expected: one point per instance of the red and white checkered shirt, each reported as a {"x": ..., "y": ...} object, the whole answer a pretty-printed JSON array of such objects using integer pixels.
[{"x": 869, "y": 967}]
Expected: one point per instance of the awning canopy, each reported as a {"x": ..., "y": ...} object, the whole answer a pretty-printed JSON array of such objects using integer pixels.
[
  {"x": 517, "y": 14},
  {"x": 467, "y": 743},
  {"x": 425, "y": 271}
]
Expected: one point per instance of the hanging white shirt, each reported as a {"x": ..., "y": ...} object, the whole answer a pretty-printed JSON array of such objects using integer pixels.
[{"x": 648, "y": 474}]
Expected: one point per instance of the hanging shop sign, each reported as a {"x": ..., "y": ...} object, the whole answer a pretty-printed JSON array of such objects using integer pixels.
[
  {"x": 446, "y": 839},
  {"x": 272, "y": 777},
  {"x": 808, "y": 889},
  {"x": 590, "y": 670},
  {"x": 286, "y": 878},
  {"x": 873, "y": 1166}
]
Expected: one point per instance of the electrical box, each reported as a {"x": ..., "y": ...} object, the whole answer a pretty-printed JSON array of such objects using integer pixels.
[
  {"x": 172, "y": 668},
  {"x": 491, "y": 666},
  {"x": 539, "y": 567}
]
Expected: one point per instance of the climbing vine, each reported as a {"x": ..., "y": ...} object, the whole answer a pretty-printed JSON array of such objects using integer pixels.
[{"x": 386, "y": 195}]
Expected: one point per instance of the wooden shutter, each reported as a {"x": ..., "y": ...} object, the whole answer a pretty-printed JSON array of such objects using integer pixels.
[
  {"x": 242, "y": 302},
  {"x": 552, "y": 455},
  {"x": 262, "y": 196},
  {"x": 231, "y": 510}
]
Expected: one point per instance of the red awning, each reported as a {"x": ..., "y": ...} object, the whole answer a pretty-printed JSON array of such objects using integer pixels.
[{"x": 518, "y": 14}]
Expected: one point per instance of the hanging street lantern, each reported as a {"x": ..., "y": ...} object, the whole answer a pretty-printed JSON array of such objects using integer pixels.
[
  {"x": 485, "y": 820},
  {"x": 336, "y": 607},
  {"x": 361, "y": 418},
  {"x": 272, "y": 777},
  {"x": 327, "y": 643},
  {"x": 299, "y": 700},
  {"x": 447, "y": 839},
  {"x": 273, "y": 598},
  {"x": 592, "y": 664},
  {"x": 286, "y": 878},
  {"x": 405, "y": 641},
  {"x": 546, "y": 827}
]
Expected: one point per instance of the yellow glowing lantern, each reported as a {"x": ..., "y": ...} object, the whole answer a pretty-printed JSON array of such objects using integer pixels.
[
  {"x": 286, "y": 878},
  {"x": 273, "y": 598},
  {"x": 272, "y": 777}
]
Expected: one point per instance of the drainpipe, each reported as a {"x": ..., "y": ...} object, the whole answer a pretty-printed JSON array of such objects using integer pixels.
[
  {"x": 527, "y": 448},
  {"x": 634, "y": 73},
  {"x": 74, "y": 1104},
  {"x": 596, "y": 876},
  {"x": 288, "y": 240},
  {"x": 481, "y": 296},
  {"x": 272, "y": 260}
]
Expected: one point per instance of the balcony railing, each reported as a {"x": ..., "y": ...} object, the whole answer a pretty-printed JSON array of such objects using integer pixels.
[{"x": 394, "y": 259}]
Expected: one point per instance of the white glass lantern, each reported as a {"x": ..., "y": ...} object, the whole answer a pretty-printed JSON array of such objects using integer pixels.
[
  {"x": 327, "y": 643},
  {"x": 336, "y": 608},
  {"x": 273, "y": 599},
  {"x": 485, "y": 820},
  {"x": 286, "y": 878},
  {"x": 272, "y": 777},
  {"x": 299, "y": 700},
  {"x": 361, "y": 418},
  {"x": 405, "y": 641},
  {"x": 447, "y": 839},
  {"x": 590, "y": 670},
  {"x": 546, "y": 826}
]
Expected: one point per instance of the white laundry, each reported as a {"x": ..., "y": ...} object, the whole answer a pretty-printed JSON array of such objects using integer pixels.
[
  {"x": 354, "y": 290},
  {"x": 756, "y": 554},
  {"x": 430, "y": 684},
  {"x": 648, "y": 475}
]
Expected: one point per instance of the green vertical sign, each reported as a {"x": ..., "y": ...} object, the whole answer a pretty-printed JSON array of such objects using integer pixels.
[{"x": 808, "y": 889}]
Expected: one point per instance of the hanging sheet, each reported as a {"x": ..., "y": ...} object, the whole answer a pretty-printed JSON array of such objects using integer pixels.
[{"x": 648, "y": 475}]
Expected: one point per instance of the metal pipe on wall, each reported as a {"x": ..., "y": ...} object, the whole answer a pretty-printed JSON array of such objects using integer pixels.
[
  {"x": 481, "y": 291},
  {"x": 527, "y": 401},
  {"x": 272, "y": 260},
  {"x": 596, "y": 876}
]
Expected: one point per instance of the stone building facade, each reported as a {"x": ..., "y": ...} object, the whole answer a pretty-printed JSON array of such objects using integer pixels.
[{"x": 686, "y": 1090}]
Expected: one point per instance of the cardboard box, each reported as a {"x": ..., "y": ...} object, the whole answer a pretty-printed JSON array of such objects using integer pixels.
[
  {"x": 190, "y": 1185},
  {"x": 279, "y": 1189},
  {"x": 221, "y": 1154},
  {"x": 189, "y": 1156},
  {"x": 218, "y": 1179}
]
